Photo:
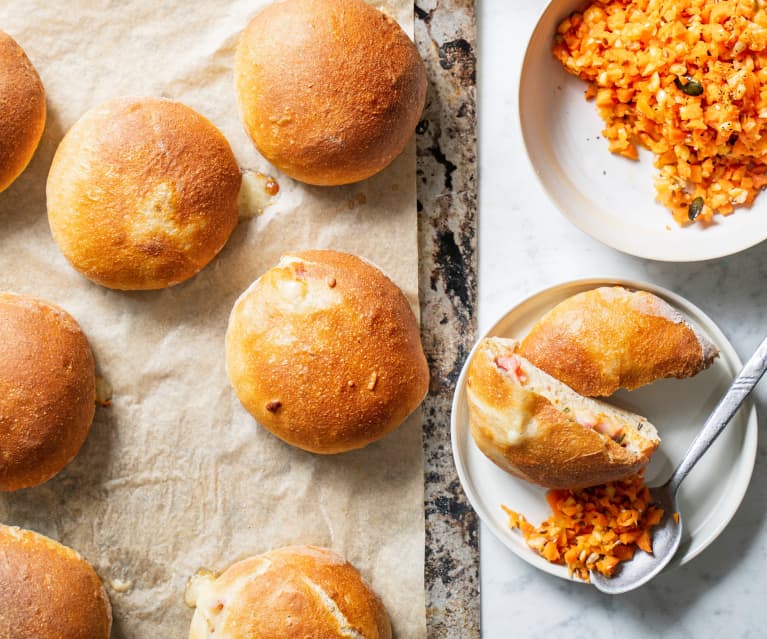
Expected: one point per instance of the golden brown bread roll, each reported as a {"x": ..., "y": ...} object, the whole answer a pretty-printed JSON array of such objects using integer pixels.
[
  {"x": 142, "y": 193},
  {"x": 533, "y": 426},
  {"x": 48, "y": 591},
  {"x": 324, "y": 351},
  {"x": 47, "y": 390},
  {"x": 330, "y": 90},
  {"x": 22, "y": 110},
  {"x": 609, "y": 338},
  {"x": 298, "y": 591}
]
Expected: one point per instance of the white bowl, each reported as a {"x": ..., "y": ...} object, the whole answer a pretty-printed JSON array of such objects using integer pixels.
[
  {"x": 609, "y": 197},
  {"x": 711, "y": 493}
]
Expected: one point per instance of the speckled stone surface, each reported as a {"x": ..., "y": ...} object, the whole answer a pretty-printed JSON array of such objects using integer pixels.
[{"x": 447, "y": 203}]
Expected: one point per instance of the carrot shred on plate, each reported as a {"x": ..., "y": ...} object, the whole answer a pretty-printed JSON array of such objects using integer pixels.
[
  {"x": 686, "y": 79},
  {"x": 593, "y": 528}
]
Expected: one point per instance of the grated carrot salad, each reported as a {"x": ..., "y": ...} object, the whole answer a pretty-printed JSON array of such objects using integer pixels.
[
  {"x": 593, "y": 528},
  {"x": 686, "y": 79}
]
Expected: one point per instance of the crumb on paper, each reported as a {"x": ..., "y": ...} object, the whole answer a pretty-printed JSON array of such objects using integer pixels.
[
  {"x": 257, "y": 192},
  {"x": 195, "y": 585},
  {"x": 121, "y": 585},
  {"x": 103, "y": 392}
]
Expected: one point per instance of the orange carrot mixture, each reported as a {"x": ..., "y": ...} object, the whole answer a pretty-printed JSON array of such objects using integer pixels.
[
  {"x": 593, "y": 528},
  {"x": 686, "y": 79}
]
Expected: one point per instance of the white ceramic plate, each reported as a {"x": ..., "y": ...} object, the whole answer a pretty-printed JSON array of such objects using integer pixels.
[
  {"x": 711, "y": 493},
  {"x": 607, "y": 196}
]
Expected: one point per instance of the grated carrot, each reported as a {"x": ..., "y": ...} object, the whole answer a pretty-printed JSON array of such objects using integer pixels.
[
  {"x": 686, "y": 79},
  {"x": 593, "y": 528}
]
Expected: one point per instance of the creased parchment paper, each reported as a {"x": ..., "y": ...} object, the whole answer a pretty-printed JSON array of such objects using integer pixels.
[{"x": 175, "y": 476}]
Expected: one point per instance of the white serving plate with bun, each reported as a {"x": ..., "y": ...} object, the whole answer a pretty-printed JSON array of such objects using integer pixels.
[{"x": 711, "y": 493}]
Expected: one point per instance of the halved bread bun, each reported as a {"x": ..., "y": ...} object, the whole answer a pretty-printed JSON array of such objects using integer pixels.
[
  {"x": 609, "y": 338},
  {"x": 535, "y": 427}
]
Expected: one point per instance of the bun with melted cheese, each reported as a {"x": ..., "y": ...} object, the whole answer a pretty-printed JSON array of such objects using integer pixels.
[
  {"x": 142, "y": 193},
  {"x": 298, "y": 591},
  {"x": 47, "y": 390},
  {"x": 324, "y": 351},
  {"x": 48, "y": 591},
  {"x": 22, "y": 110},
  {"x": 330, "y": 91}
]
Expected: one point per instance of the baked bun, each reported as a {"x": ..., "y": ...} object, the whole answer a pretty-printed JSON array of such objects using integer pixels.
[
  {"x": 48, "y": 590},
  {"x": 22, "y": 110},
  {"x": 299, "y": 591},
  {"x": 142, "y": 193},
  {"x": 47, "y": 390},
  {"x": 330, "y": 90},
  {"x": 536, "y": 428},
  {"x": 324, "y": 351},
  {"x": 609, "y": 338}
]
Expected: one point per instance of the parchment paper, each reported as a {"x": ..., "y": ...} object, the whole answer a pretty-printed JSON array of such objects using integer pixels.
[{"x": 175, "y": 476}]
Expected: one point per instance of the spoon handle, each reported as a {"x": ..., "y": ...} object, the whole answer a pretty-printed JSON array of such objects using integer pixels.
[{"x": 740, "y": 388}]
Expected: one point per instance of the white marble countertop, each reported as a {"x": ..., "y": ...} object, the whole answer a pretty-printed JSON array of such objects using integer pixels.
[{"x": 526, "y": 245}]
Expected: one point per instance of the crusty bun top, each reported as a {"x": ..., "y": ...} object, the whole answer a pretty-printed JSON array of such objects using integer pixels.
[
  {"x": 325, "y": 352},
  {"x": 22, "y": 110},
  {"x": 48, "y": 591},
  {"x": 330, "y": 90},
  {"x": 47, "y": 390},
  {"x": 610, "y": 337},
  {"x": 142, "y": 193},
  {"x": 299, "y": 591}
]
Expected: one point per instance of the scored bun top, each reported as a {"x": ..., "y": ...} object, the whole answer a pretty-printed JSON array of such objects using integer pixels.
[
  {"x": 142, "y": 193},
  {"x": 48, "y": 590},
  {"x": 325, "y": 352},
  {"x": 298, "y": 591},
  {"x": 609, "y": 338},
  {"x": 47, "y": 390},
  {"x": 22, "y": 110},
  {"x": 330, "y": 90}
]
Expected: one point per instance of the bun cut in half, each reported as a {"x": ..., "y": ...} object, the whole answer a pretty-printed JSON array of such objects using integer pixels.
[
  {"x": 298, "y": 591},
  {"x": 609, "y": 338},
  {"x": 22, "y": 110},
  {"x": 142, "y": 193},
  {"x": 330, "y": 91},
  {"x": 325, "y": 352},
  {"x": 535, "y": 427},
  {"x": 48, "y": 591},
  {"x": 47, "y": 390}
]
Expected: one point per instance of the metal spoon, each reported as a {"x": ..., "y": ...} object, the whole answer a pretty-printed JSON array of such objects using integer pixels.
[{"x": 667, "y": 535}]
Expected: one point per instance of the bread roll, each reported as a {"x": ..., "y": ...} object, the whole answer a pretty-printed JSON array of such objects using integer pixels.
[
  {"x": 609, "y": 338},
  {"x": 22, "y": 110},
  {"x": 330, "y": 90},
  {"x": 299, "y": 591},
  {"x": 47, "y": 390},
  {"x": 142, "y": 193},
  {"x": 536, "y": 428},
  {"x": 48, "y": 591},
  {"x": 324, "y": 351}
]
